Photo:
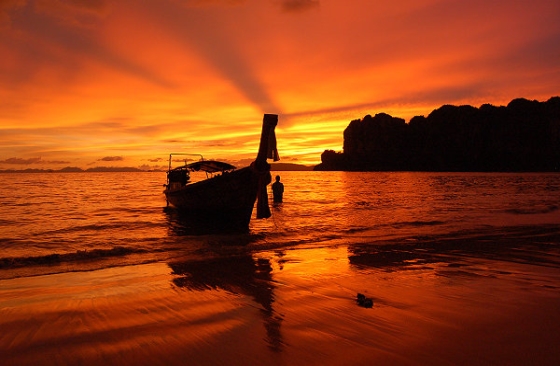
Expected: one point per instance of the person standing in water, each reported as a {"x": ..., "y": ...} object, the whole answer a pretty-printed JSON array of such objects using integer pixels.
[{"x": 277, "y": 190}]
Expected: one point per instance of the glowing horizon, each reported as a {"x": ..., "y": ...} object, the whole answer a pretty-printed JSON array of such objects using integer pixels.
[{"x": 122, "y": 83}]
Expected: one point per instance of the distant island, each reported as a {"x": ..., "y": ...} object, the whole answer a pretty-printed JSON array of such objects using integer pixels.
[
  {"x": 289, "y": 167},
  {"x": 79, "y": 170},
  {"x": 102, "y": 169},
  {"x": 522, "y": 136}
]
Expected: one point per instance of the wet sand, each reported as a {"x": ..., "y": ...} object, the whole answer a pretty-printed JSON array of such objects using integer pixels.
[{"x": 291, "y": 307}]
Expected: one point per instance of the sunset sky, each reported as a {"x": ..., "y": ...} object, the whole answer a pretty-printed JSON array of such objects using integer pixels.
[{"x": 125, "y": 82}]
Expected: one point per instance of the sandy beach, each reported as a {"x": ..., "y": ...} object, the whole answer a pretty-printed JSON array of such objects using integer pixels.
[{"x": 293, "y": 307}]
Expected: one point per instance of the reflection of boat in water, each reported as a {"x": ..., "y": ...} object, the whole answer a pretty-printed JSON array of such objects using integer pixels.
[
  {"x": 243, "y": 275},
  {"x": 228, "y": 195}
]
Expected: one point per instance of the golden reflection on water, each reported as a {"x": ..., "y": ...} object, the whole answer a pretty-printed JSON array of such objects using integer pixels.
[
  {"x": 293, "y": 306},
  {"x": 241, "y": 275},
  {"x": 288, "y": 296}
]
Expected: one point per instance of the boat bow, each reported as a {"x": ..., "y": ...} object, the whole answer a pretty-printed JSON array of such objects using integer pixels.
[
  {"x": 267, "y": 150},
  {"x": 228, "y": 196}
]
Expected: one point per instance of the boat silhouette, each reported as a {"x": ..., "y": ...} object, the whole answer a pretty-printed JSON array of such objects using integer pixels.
[{"x": 227, "y": 197}]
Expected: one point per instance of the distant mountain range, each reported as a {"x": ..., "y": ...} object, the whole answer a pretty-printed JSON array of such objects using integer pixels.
[
  {"x": 289, "y": 167},
  {"x": 523, "y": 136},
  {"x": 77, "y": 170},
  {"x": 274, "y": 167}
]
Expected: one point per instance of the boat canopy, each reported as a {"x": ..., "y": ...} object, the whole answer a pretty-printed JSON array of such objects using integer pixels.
[{"x": 210, "y": 166}]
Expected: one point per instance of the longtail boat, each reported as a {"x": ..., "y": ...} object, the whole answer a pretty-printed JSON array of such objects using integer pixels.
[{"x": 226, "y": 199}]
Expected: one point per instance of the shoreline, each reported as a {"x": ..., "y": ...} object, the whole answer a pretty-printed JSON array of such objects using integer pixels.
[{"x": 290, "y": 307}]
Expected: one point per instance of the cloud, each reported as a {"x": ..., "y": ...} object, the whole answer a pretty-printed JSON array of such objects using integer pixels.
[
  {"x": 64, "y": 37},
  {"x": 21, "y": 161},
  {"x": 288, "y": 6},
  {"x": 6, "y": 6},
  {"x": 201, "y": 3},
  {"x": 297, "y": 6},
  {"x": 81, "y": 13},
  {"x": 112, "y": 158},
  {"x": 152, "y": 167},
  {"x": 430, "y": 96},
  {"x": 56, "y": 162},
  {"x": 80, "y": 79},
  {"x": 204, "y": 143},
  {"x": 30, "y": 161},
  {"x": 213, "y": 37}
]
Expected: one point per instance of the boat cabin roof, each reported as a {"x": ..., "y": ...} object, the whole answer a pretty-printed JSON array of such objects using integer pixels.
[{"x": 208, "y": 166}]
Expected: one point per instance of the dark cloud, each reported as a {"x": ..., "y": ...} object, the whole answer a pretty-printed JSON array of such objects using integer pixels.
[
  {"x": 296, "y": 6},
  {"x": 69, "y": 30},
  {"x": 202, "y": 143},
  {"x": 20, "y": 161},
  {"x": 112, "y": 158},
  {"x": 6, "y": 6},
  {"x": 199, "y": 3},
  {"x": 184, "y": 159},
  {"x": 152, "y": 167},
  {"x": 92, "y": 5},
  {"x": 172, "y": 141},
  {"x": 56, "y": 162},
  {"x": 218, "y": 48},
  {"x": 79, "y": 13}
]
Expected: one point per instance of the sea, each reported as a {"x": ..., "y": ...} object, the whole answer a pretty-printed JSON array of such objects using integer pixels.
[{"x": 66, "y": 222}]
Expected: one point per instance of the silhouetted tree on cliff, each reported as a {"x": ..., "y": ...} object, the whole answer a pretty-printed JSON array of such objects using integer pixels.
[{"x": 524, "y": 136}]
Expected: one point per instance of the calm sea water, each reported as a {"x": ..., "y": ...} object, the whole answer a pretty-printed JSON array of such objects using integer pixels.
[{"x": 61, "y": 222}]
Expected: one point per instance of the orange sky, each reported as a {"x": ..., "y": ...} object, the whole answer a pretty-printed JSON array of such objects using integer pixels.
[{"x": 125, "y": 82}]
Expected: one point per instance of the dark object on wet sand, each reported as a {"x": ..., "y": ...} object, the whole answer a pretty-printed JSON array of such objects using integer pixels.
[
  {"x": 364, "y": 301},
  {"x": 229, "y": 194}
]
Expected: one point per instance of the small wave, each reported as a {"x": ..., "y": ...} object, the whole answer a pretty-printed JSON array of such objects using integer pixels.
[
  {"x": 418, "y": 223},
  {"x": 96, "y": 227},
  {"x": 355, "y": 230},
  {"x": 535, "y": 245},
  {"x": 4, "y": 222},
  {"x": 55, "y": 258},
  {"x": 533, "y": 210}
]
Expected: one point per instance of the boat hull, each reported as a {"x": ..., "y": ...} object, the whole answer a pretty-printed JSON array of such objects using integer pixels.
[{"x": 225, "y": 201}]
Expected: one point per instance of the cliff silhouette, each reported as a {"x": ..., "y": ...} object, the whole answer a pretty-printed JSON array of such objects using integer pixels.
[{"x": 522, "y": 136}]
